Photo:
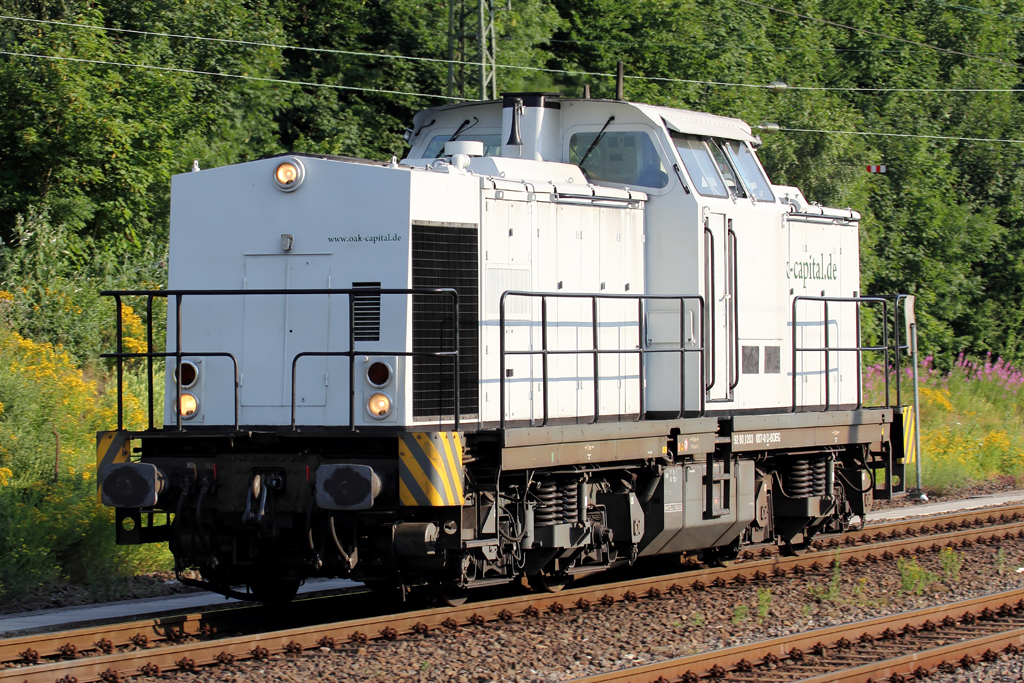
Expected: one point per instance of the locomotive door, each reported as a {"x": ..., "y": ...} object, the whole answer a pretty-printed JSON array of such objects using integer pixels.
[
  {"x": 276, "y": 328},
  {"x": 719, "y": 309}
]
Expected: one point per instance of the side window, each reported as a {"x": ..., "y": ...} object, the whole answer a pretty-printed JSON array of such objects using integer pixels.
[
  {"x": 627, "y": 157},
  {"x": 747, "y": 166},
  {"x": 492, "y": 144},
  {"x": 700, "y": 166}
]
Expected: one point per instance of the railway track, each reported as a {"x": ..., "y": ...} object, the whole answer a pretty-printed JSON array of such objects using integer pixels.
[
  {"x": 109, "y": 652},
  {"x": 898, "y": 647}
]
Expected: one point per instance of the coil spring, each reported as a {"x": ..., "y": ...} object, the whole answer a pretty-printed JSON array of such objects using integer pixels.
[
  {"x": 798, "y": 478},
  {"x": 804, "y": 477},
  {"x": 568, "y": 493},
  {"x": 556, "y": 502},
  {"x": 548, "y": 511},
  {"x": 819, "y": 477}
]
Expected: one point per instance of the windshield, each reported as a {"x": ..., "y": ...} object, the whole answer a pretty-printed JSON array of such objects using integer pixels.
[
  {"x": 726, "y": 170},
  {"x": 699, "y": 165},
  {"x": 752, "y": 175},
  {"x": 627, "y": 157}
]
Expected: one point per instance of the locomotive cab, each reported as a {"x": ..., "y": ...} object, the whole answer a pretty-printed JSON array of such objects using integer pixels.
[{"x": 560, "y": 336}]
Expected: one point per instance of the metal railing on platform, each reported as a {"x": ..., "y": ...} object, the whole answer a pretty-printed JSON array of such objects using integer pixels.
[
  {"x": 641, "y": 350},
  {"x": 890, "y": 347},
  {"x": 351, "y": 352}
]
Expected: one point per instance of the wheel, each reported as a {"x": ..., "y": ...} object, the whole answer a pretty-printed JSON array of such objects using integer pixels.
[
  {"x": 452, "y": 594},
  {"x": 271, "y": 591},
  {"x": 722, "y": 556},
  {"x": 793, "y": 549},
  {"x": 548, "y": 583}
]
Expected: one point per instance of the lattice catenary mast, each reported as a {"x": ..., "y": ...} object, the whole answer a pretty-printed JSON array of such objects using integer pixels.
[{"x": 471, "y": 39}]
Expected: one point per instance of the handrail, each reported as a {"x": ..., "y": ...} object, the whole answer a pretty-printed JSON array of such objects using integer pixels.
[
  {"x": 886, "y": 348},
  {"x": 640, "y": 351},
  {"x": 734, "y": 300},
  {"x": 709, "y": 288},
  {"x": 351, "y": 353}
]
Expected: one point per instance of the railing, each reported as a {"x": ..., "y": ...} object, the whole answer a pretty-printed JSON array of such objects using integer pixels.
[
  {"x": 351, "y": 353},
  {"x": 885, "y": 348},
  {"x": 641, "y": 350}
]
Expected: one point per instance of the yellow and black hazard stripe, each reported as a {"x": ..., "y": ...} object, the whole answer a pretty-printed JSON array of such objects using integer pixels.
[
  {"x": 909, "y": 442},
  {"x": 430, "y": 469},
  {"x": 111, "y": 448}
]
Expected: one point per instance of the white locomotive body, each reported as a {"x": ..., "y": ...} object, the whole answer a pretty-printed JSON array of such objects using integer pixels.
[{"x": 562, "y": 334}]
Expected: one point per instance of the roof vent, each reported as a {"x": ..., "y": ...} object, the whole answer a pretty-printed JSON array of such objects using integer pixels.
[{"x": 471, "y": 148}]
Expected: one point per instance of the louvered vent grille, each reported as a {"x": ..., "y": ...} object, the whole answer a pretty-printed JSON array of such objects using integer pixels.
[
  {"x": 444, "y": 256},
  {"x": 367, "y": 312}
]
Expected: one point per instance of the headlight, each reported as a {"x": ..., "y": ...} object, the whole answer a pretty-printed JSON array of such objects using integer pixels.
[
  {"x": 189, "y": 405},
  {"x": 189, "y": 374},
  {"x": 378, "y": 374},
  {"x": 289, "y": 174},
  {"x": 379, "y": 406}
]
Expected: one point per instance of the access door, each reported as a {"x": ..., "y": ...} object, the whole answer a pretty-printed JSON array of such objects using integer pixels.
[
  {"x": 719, "y": 307},
  {"x": 278, "y": 327}
]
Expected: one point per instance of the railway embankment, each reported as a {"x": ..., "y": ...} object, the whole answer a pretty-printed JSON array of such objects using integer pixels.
[
  {"x": 891, "y": 568},
  {"x": 573, "y": 643}
]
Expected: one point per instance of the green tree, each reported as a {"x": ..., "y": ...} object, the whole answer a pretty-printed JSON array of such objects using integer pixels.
[{"x": 97, "y": 144}]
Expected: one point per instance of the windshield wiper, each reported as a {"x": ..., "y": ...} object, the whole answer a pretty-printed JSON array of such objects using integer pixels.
[
  {"x": 458, "y": 131},
  {"x": 590, "y": 149}
]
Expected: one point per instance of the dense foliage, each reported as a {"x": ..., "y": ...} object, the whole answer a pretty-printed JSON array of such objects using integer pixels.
[
  {"x": 88, "y": 143},
  {"x": 92, "y": 146}
]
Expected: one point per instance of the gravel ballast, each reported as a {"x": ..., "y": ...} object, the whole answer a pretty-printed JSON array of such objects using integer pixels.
[{"x": 559, "y": 647}]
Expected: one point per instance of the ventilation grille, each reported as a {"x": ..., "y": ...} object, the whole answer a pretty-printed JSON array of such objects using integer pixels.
[
  {"x": 366, "y": 309},
  {"x": 444, "y": 256}
]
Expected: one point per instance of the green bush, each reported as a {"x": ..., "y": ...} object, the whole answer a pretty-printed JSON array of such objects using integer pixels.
[
  {"x": 53, "y": 279},
  {"x": 52, "y": 528},
  {"x": 53, "y": 325}
]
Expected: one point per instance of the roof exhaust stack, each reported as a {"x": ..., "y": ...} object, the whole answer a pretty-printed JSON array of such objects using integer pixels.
[
  {"x": 619, "y": 78},
  {"x": 515, "y": 136},
  {"x": 530, "y": 123}
]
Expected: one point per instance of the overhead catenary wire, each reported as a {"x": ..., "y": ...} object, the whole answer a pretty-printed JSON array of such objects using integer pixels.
[
  {"x": 766, "y": 48},
  {"x": 900, "y": 135},
  {"x": 568, "y": 72},
  {"x": 229, "y": 75},
  {"x": 429, "y": 95}
]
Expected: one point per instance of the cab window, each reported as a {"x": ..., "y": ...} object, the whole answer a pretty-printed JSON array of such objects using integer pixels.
[
  {"x": 725, "y": 168},
  {"x": 751, "y": 173},
  {"x": 626, "y": 157},
  {"x": 702, "y": 169},
  {"x": 492, "y": 144}
]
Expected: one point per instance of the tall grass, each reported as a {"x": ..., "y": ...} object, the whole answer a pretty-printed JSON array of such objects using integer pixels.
[
  {"x": 52, "y": 528},
  {"x": 972, "y": 421},
  {"x": 54, "y": 396}
]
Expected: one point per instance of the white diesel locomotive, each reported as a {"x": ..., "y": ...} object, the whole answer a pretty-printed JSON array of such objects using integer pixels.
[{"x": 562, "y": 335}]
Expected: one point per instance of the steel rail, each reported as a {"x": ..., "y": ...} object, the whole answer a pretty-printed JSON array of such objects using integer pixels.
[
  {"x": 170, "y": 628},
  {"x": 925, "y": 525},
  {"x": 174, "y": 626},
  {"x": 718, "y": 663},
  {"x": 191, "y": 655}
]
